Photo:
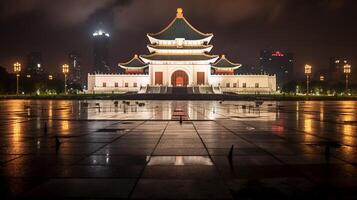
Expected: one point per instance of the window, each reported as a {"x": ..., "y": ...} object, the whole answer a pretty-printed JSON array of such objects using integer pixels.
[
  {"x": 200, "y": 78},
  {"x": 235, "y": 85},
  {"x": 228, "y": 85},
  {"x": 126, "y": 84},
  {"x": 158, "y": 78},
  {"x": 135, "y": 85},
  {"x": 104, "y": 84},
  {"x": 244, "y": 85},
  {"x": 257, "y": 85},
  {"x": 116, "y": 85}
]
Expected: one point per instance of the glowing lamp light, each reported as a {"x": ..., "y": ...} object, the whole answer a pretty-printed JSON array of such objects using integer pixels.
[
  {"x": 50, "y": 77},
  {"x": 347, "y": 69},
  {"x": 17, "y": 70},
  {"x": 308, "y": 69},
  {"x": 17, "y": 67},
  {"x": 65, "y": 69}
]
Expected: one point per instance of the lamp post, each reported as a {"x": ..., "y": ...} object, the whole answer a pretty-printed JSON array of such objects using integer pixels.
[
  {"x": 308, "y": 69},
  {"x": 17, "y": 70},
  {"x": 347, "y": 72},
  {"x": 65, "y": 70}
]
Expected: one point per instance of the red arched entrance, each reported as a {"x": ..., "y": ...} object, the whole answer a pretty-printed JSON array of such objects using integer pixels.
[{"x": 179, "y": 78}]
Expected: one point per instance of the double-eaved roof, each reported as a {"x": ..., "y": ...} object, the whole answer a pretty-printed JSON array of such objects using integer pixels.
[
  {"x": 224, "y": 63},
  {"x": 134, "y": 63},
  {"x": 180, "y": 28}
]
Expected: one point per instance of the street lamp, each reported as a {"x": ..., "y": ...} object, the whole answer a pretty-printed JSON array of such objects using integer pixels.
[
  {"x": 347, "y": 72},
  {"x": 17, "y": 70},
  {"x": 65, "y": 70},
  {"x": 308, "y": 69}
]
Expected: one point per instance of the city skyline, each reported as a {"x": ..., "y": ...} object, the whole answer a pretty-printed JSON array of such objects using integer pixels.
[{"x": 241, "y": 37}]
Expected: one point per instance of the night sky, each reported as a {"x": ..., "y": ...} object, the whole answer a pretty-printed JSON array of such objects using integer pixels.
[{"x": 314, "y": 30}]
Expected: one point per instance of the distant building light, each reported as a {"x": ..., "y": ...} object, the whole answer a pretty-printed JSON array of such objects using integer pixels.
[
  {"x": 322, "y": 78},
  {"x": 50, "y": 77},
  {"x": 28, "y": 76},
  {"x": 337, "y": 61},
  {"x": 345, "y": 61},
  {"x": 277, "y": 54},
  {"x": 100, "y": 32},
  {"x": 38, "y": 65}
]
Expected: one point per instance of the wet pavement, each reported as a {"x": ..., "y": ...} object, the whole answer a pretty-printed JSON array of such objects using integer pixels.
[{"x": 141, "y": 150}]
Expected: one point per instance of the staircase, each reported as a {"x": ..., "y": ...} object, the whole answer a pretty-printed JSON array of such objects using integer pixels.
[{"x": 179, "y": 90}]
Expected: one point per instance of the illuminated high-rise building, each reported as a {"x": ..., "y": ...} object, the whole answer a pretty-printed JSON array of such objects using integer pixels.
[
  {"x": 336, "y": 68},
  {"x": 34, "y": 65},
  {"x": 74, "y": 68},
  {"x": 279, "y": 63},
  {"x": 100, "y": 51}
]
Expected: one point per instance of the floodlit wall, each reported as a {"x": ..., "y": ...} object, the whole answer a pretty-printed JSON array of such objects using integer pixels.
[
  {"x": 116, "y": 83},
  {"x": 244, "y": 83}
]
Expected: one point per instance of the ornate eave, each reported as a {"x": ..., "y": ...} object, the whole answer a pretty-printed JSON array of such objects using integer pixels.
[
  {"x": 185, "y": 48},
  {"x": 134, "y": 64},
  {"x": 179, "y": 58},
  {"x": 224, "y": 64}
]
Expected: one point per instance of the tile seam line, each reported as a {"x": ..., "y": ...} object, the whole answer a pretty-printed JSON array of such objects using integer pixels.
[
  {"x": 209, "y": 155},
  {"x": 142, "y": 171}
]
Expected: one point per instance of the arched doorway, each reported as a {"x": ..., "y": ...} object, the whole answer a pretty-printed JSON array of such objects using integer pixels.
[{"x": 179, "y": 78}]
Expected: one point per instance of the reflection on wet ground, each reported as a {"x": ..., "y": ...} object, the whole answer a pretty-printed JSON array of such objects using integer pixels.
[{"x": 110, "y": 149}]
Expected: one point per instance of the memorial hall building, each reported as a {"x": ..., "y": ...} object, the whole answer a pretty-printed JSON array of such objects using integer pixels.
[{"x": 179, "y": 58}]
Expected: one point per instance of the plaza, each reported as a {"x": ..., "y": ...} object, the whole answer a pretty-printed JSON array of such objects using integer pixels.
[{"x": 141, "y": 150}]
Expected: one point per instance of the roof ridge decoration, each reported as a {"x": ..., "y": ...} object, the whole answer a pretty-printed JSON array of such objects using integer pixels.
[
  {"x": 180, "y": 16},
  {"x": 179, "y": 13},
  {"x": 223, "y": 62}
]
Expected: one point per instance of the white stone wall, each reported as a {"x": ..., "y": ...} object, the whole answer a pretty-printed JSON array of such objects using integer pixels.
[
  {"x": 266, "y": 83},
  {"x": 95, "y": 82}
]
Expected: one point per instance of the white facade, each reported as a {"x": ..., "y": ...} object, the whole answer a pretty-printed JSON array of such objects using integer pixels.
[
  {"x": 116, "y": 83},
  {"x": 244, "y": 83}
]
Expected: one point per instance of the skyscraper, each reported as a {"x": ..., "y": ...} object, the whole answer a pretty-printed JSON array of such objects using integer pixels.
[
  {"x": 74, "y": 68},
  {"x": 34, "y": 64},
  {"x": 336, "y": 68},
  {"x": 279, "y": 63},
  {"x": 100, "y": 50}
]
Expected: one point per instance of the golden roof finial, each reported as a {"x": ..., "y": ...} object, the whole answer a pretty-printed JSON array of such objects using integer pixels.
[
  {"x": 223, "y": 56},
  {"x": 179, "y": 13},
  {"x": 136, "y": 56}
]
